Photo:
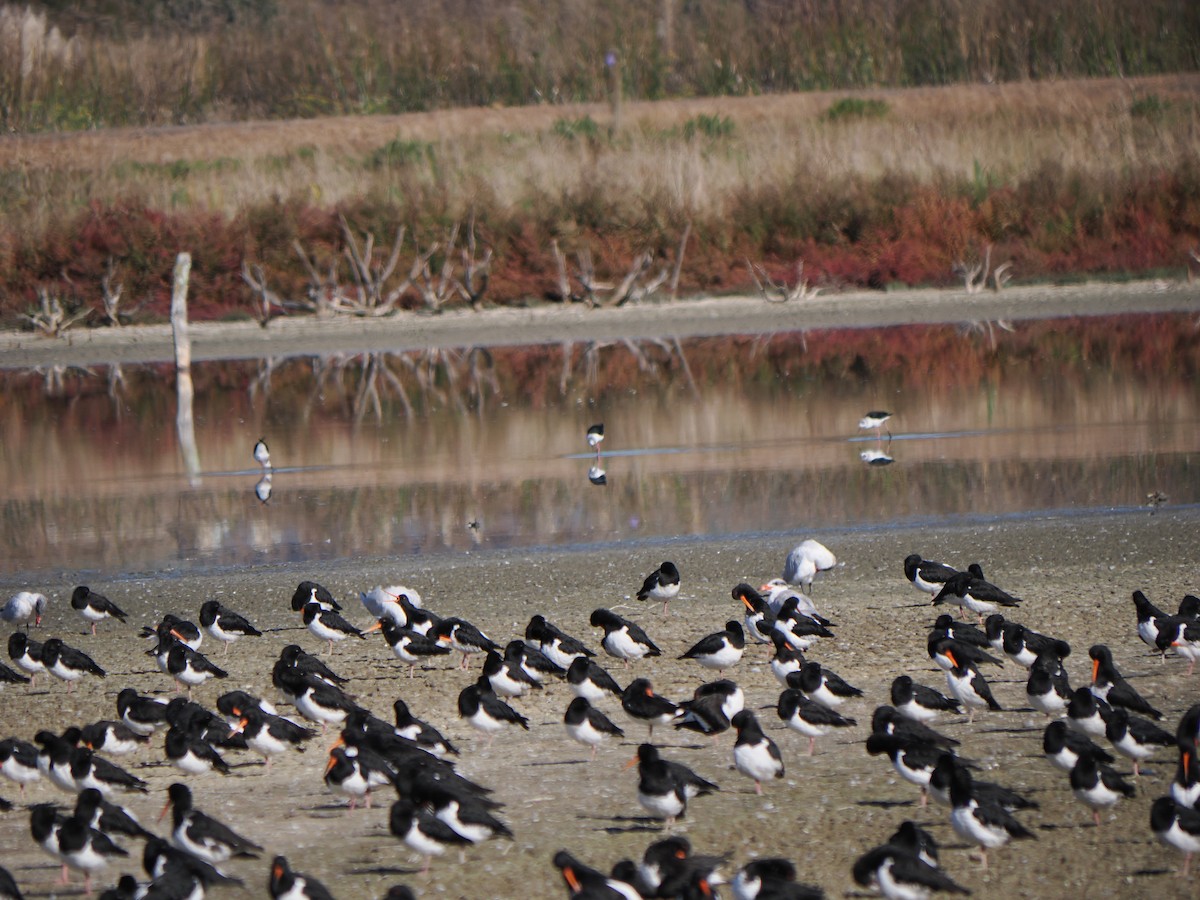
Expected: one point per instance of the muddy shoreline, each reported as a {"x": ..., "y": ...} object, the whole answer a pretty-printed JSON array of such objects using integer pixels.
[{"x": 1074, "y": 573}]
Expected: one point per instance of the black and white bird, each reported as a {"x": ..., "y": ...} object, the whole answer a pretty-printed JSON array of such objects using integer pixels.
[
  {"x": 1048, "y": 688},
  {"x": 200, "y": 834},
  {"x": 94, "y": 607},
  {"x": 1063, "y": 746},
  {"x": 981, "y": 822},
  {"x": 1135, "y": 737},
  {"x": 1098, "y": 786},
  {"x": 173, "y": 626},
  {"x": 590, "y": 680},
  {"x": 969, "y": 687},
  {"x": 555, "y": 644},
  {"x": 919, "y": 702},
  {"x": 91, "y": 771},
  {"x": 19, "y": 762},
  {"x": 327, "y": 625},
  {"x": 26, "y": 655},
  {"x": 1110, "y": 685},
  {"x": 595, "y": 435},
  {"x": 420, "y": 732},
  {"x": 535, "y": 663},
  {"x": 464, "y": 637},
  {"x": 1176, "y": 826},
  {"x": 112, "y": 737},
  {"x": 661, "y": 584},
  {"x": 664, "y": 786},
  {"x": 808, "y": 717},
  {"x": 712, "y": 708},
  {"x": 588, "y": 725},
  {"x": 479, "y": 705},
  {"x": 507, "y": 679},
  {"x": 584, "y": 882},
  {"x": 262, "y": 454},
  {"x": 820, "y": 684},
  {"x": 315, "y": 699},
  {"x": 68, "y": 664},
  {"x": 913, "y": 761},
  {"x": 191, "y": 667},
  {"x": 800, "y": 629},
  {"x": 974, "y": 594},
  {"x": 902, "y": 875},
  {"x": 284, "y": 884},
  {"x": 719, "y": 650},
  {"x": 759, "y": 619},
  {"x": 310, "y": 592},
  {"x": 423, "y": 831},
  {"x": 754, "y": 754},
  {"x": 926, "y": 575},
  {"x": 23, "y": 606},
  {"x": 142, "y": 715},
  {"x": 408, "y": 646},
  {"x": 270, "y": 735},
  {"x": 984, "y": 791},
  {"x": 356, "y": 771},
  {"x": 787, "y": 659},
  {"x": 191, "y": 753},
  {"x": 106, "y": 816},
  {"x": 642, "y": 704},
  {"x": 771, "y": 878},
  {"x": 886, "y": 720},
  {"x": 804, "y": 561},
  {"x": 72, "y": 842},
  {"x": 1088, "y": 713},
  {"x": 224, "y": 624},
  {"x": 623, "y": 639}
]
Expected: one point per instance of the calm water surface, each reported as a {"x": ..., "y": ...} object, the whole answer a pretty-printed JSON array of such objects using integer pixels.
[{"x": 441, "y": 452}]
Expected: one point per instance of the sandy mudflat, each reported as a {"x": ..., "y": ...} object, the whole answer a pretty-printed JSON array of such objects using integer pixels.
[
  {"x": 696, "y": 317},
  {"x": 1075, "y": 575}
]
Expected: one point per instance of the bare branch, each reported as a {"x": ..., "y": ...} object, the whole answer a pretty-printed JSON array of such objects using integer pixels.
[{"x": 110, "y": 296}]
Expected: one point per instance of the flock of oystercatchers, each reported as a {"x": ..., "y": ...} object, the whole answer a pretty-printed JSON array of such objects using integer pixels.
[{"x": 437, "y": 809}]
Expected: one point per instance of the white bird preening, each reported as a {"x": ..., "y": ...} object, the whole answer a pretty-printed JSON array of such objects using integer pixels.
[
  {"x": 804, "y": 562},
  {"x": 876, "y": 419},
  {"x": 595, "y": 435},
  {"x": 262, "y": 455},
  {"x": 23, "y": 606}
]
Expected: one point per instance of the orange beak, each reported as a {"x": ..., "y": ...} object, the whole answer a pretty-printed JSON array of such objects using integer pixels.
[
  {"x": 746, "y": 601},
  {"x": 1095, "y": 669},
  {"x": 629, "y": 765},
  {"x": 332, "y": 763},
  {"x": 950, "y": 656},
  {"x": 176, "y": 634},
  {"x": 378, "y": 626},
  {"x": 573, "y": 882},
  {"x": 241, "y": 726},
  {"x": 162, "y": 815},
  {"x": 277, "y": 872}
]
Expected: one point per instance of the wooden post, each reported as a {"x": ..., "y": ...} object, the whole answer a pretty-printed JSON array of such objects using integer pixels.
[
  {"x": 185, "y": 423},
  {"x": 613, "y": 61}
]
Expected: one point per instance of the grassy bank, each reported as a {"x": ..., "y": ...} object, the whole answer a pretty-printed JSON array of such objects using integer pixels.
[
  {"x": 869, "y": 188},
  {"x": 122, "y": 62}
]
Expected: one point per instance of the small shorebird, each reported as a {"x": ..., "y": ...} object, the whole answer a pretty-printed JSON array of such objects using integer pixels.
[{"x": 262, "y": 455}]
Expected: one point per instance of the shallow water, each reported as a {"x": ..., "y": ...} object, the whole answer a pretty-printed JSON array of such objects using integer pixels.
[{"x": 428, "y": 453}]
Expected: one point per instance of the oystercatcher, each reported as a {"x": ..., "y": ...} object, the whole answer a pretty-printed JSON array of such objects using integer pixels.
[
  {"x": 73, "y": 842},
  {"x": 926, "y": 575},
  {"x": 224, "y": 624},
  {"x": 1110, "y": 685},
  {"x": 588, "y": 725},
  {"x": 586, "y": 883},
  {"x": 899, "y": 873},
  {"x": 808, "y": 717},
  {"x": 420, "y": 732},
  {"x": 1088, "y": 713},
  {"x": 19, "y": 762},
  {"x": 1176, "y": 826},
  {"x": 913, "y": 761},
  {"x": 822, "y": 685},
  {"x": 760, "y": 621},
  {"x": 987, "y": 824},
  {"x": 641, "y": 703},
  {"x": 886, "y": 720},
  {"x": 423, "y": 831},
  {"x": 327, "y": 625},
  {"x": 661, "y": 584},
  {"x": 969, "y": 687},
  {"x": 26, "y": 654},
  {"x": 534, "y": 663},
  {"x": 67, "y": 663},
  {"x": 800, "y": 629},
  {"x": 310, "y": 592},
  {"x": 143, "y": 715},
  {"x": 1063, "y": 746},
  {"x": 589, "y": 679},
  {"x": 984, "y": 791},
  {"x": 200, "y": 834},
  {"x": 622, "y": 638},
  {"x": 507, "y": 679},
  {"x": 269, "y": 735},
  {"x": 191, "y": 667},
  {"x": 919, "y": 702},
  {"x": 719, "y": 650},
  {"x": 771, "y": 877},
  {"x": 787, "y": 659},
  {"x": 355, "y": 772},
  {"x": 94, "y": 607},
  {"x": 191, "y": 753},
  {"x": 712, "y": 707},
  {"x": 464, "y": 637},
  {"x": 479, "y": 705},
  {"x": 1098, "y": 787},
  {"x": 112, "y": 737},
  {"x": 1048, "y": 689},
  {"x": 285, "y": 884},
  {"x": 554, "y": 643},
  {"x": 1135, "y": 737},
  {"x": 664, "y": 786},
  {"x": 754, "y": 754},
  {"x": 106, "y": 816},
  {"x": 974, "y": 594},
  {"x": 408, "y": 646},
  {"x": 91, "y": 771}
]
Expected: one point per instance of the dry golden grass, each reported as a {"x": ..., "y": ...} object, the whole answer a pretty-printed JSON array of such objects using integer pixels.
[{"x": 503, "y": 160}]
